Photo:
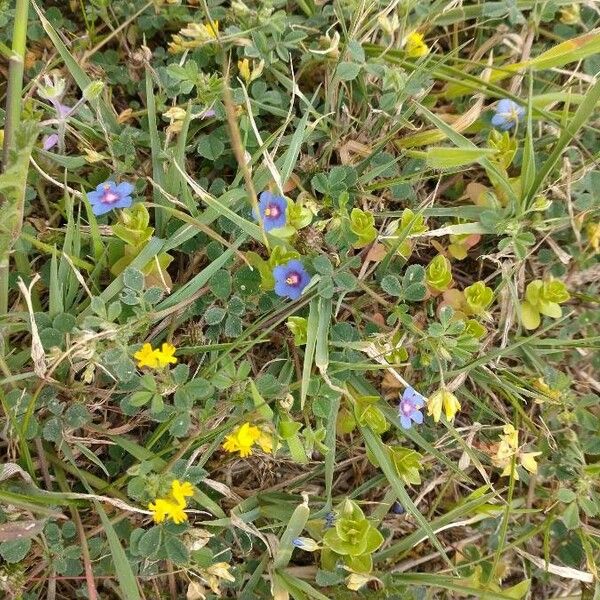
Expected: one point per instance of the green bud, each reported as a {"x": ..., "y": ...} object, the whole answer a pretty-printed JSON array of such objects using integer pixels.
[
  {"x": 439, "y": 273},
  {"x": 298, "y": 215},
  {"x": 298, "y": 326},
  {"x": 53, "y": 88},
  {"x": 353, "y": 535},
  {"x": 554, "y": 291},
  {"x": 133, "y": 225},
  {"x": 475, "y": 329},
  {"x": 407, "y": 463},
  {"x": 478, "y": 297},
  {"x": 362, "y": 224},
  {"x": 505, "y": 145},
  {"x": 281, "y": 255},
  {"x": 93, "y": 90}
]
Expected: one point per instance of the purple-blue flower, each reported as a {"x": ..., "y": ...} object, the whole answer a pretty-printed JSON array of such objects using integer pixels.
[
  {"x": 50, "y": 141},
  {"x": 410, "y": 407},
  {"x": 290, "y": 279},
  {"x": 508, "y": 114},
  {"x": 109, "y": 195},
  {"x": 272, "y": 210}
]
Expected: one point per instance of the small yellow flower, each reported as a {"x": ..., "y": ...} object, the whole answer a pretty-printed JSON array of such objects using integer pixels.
[
  {"x": 180, "y": 491},
  {"x": 164, "y": 356},
  {"x": 442, "y": 399},
  {"x": 570, "y": 15},
  {"x": 172, "y": 506},
  {"x": 164, "y": 509},
  {"x": 242, "y": 439},
  {"x": 509, "y": 454},
  {"x": 415, "y": 45},
  {"x": 593, "y": 234},
  {"x": 244, "y": 69},
  {"x": 212, "y": 29},
  {"x": 265, "y": 441},
  {"x": 146, "y": 357}
]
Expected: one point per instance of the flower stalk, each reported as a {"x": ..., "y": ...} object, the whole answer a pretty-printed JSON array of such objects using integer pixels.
[{"x": 16, "y": 64}]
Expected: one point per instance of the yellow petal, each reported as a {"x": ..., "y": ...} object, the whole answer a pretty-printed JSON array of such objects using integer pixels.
[
  {"x": 528, "y": 461},
  {"x": 434, "y": 405}
]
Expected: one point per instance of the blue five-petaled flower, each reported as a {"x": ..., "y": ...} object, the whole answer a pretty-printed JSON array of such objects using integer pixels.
[
  {"x": 410, "y": 407},
  {"x": 272, "y": 210},
  {"x": 109, "y": 195},
  {"x": 508, "y": 114},
  {"x": 290, "y": 279}
]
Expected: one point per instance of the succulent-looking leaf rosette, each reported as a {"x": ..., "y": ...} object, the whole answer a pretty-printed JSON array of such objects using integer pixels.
[
  {"x": 439, "y": 274},
  {"x": 352, "y": 537},
  {"x": 362, "y": 224},
  {"x": 543, "y": 298}
]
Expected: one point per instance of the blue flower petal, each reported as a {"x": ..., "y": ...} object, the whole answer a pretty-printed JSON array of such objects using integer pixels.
[
  {"x": 124, "y": 189},
  {"x": 405, "y": 422},
  {"x": 417, "y": 417}
]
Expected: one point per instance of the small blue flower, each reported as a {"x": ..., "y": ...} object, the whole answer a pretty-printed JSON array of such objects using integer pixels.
[
  {"x": 508, "y": 114},
  {"x": 397, "y": 508},
  {"x": 410, "y": 408},
  {"x": 109, "y": 195},
  {"x": 290, "y": 279},
  {"x": 272, "y": 210},
  {"x": 329, "y": 519}
]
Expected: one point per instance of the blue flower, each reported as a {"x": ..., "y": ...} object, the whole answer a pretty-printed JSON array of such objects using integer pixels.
[
  {"x": 329, "y": 519},
  {"x": 290, "y": 279},
  {"x": 508, "y": 114},
  {"x": 109, "y": 195},
  {"x": 410, "y": 408},
  {"x": 398, "y": 509},
  {"x": 272, "y": 210}
]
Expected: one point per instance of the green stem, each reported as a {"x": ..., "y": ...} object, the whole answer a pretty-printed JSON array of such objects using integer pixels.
[{"x": 15, "y": 77}]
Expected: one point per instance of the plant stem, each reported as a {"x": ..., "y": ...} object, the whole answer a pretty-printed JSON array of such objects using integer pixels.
[
  {"x": 13, "y": 115},
  {"x": 15, "y": 77}
]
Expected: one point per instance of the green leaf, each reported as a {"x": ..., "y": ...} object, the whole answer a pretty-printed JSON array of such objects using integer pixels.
[
  {"x": 133, "y": 279},
  {"x": 214, "y": 315},
  {"x": 211, "y": 146},
  {"x": 176, "y": 551},
  {"x": 392, "y": 286},
  {"x": 125, "y": 576},
  {"x": 14, "y": 551},
  {"x": 570, "y": 516},
  {"x": 347, "y": 71},
  {"x": 149, "y": 544}
]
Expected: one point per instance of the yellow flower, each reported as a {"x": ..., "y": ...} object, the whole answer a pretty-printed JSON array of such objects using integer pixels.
[
  {"x": 180, "y": 491},
  {"x": 265, "y": 441},
  {"x": 593, "y": 233},
  {"x": 244, "y": 69},
  {"x": 196, "y": 34},
  {"x": 242, "y": 439},
  {"x": 442, "y": 399},
  {"x": 164, "y": 356},
  {"x": 415, "y": 45},
  {"x": 509, "y": 454},
  {"x": 172, "y": 506},
  {"x": 146, "y": 357},
  {"x": 212, "y": 29},
  {"x": 164, "y": 509},
  {"x": 570, "y": 15}
]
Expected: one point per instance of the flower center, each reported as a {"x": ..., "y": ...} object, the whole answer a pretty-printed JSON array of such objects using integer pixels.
[
  {"x": 406, "y": 408},
  {"x": 293, "y": 278},
  {"x": 109, "y": 195},
  {"x": 272, "y": 211}
]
